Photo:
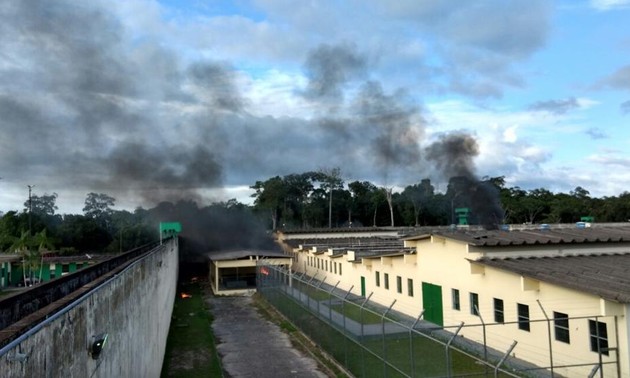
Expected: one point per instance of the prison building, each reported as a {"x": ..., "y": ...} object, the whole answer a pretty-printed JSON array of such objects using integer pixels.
[
  {"x": 234, "y": 272},
  {"x": 561, "y": 294}
]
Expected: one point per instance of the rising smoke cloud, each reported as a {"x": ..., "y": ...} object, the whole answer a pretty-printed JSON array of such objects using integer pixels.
[{"x": 87, "y": 105}]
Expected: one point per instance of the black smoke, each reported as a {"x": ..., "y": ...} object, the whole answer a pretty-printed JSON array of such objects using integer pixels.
[
  {"x": 89, "y": 105},
  {"x": 216, "y": 227},
  {"x": 453, "y": 154}
]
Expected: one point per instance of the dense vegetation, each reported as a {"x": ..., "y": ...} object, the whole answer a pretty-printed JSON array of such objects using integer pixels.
[
  {"x": 305, "y": 200},
  {"x": 310, "y": 199}
]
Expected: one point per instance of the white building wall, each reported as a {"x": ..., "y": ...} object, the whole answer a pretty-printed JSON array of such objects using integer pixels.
[{"x": 446, "y": 263}]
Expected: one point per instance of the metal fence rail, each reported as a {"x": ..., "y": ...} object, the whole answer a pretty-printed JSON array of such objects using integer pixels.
[{"x": 372, "y": 340}]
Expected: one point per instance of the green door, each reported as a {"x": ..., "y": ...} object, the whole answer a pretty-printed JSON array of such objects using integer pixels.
[
  {"x": 362, "y": 286},
  {"x": 432, "y": 301}
]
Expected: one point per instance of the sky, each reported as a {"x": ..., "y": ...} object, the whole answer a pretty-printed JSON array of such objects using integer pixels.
[{"x": 149, "y": 101}]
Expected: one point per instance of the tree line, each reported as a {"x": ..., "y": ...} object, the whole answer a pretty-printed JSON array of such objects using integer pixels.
[
  {"x": 305, "y": 200},
  {"x": 323, "y": 199}
]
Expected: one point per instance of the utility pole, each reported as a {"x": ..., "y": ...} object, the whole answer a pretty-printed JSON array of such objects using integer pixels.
[{"x": 30, "y": 209}]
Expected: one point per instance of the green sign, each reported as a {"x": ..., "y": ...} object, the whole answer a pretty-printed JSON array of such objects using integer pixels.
[{"x": 170, "y": 228}]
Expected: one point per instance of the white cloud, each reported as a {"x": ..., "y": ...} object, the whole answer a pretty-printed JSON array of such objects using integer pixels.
[{"x": 604, "y": 5}]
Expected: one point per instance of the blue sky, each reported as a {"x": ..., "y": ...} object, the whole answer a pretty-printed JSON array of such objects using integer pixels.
[{"x": 162, "y": 100}]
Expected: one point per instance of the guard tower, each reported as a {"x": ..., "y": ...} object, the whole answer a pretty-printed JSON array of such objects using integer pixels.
[
  {"x": 462, "y": 215},
  {"x": 169, "y": 229}
]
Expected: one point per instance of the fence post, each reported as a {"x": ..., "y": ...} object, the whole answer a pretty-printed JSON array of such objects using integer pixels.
[
  {"x": 361, "y": 312},
  {"x": 308, "y": 284},
  {"x": 345, "y": 334},
  {"x": 318, "y": 287},
  {"x": 330, "y": 295},
  {"x": 548, "y": 336},
  {"x": 448, "y": 346},
  {"x": 483, "y": 325},
  {"x": 412, "y": 360},
  {"x": 502, "y": 360},
  {"x": 363, "y": 346},
  {"x": 383, "y": 335}
]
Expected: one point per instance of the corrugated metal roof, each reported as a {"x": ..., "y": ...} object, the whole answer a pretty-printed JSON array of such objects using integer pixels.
[
  {"x": 607, "y": 275},
  {"x": 243, "y": 254},
  {"x": 498, "y": 238}
]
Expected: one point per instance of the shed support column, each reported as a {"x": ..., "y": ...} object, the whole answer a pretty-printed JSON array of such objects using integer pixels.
[{"x": 216, "y": 277}]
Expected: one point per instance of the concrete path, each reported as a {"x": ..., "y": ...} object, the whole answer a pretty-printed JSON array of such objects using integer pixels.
[{"x": 250, "y": 346}]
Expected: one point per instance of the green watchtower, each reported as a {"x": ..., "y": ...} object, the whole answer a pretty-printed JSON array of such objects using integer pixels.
[
  {"x": 169, "y": 229},
  {"x": 462, "y": 215}
]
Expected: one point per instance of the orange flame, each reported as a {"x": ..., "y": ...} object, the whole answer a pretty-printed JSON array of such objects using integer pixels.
[{"x": 185, "y": 295}]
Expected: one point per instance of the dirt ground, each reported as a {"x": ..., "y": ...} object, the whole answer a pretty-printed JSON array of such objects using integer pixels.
[{"x": 251, "y": 346}]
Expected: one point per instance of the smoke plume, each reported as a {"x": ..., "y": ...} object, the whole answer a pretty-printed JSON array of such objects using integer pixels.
[
  {"x": 90, "y": 105},
  {"x": 453, "y": 155}
]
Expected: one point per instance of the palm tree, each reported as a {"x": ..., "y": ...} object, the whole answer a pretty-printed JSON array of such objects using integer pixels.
[
  {"x": 32, "y": 258},
  {"x": 21, "y": 246}
]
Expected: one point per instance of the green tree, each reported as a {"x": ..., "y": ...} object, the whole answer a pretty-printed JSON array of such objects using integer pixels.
[
  {"x": 417, "y": 195},
  {"x": 269, "y": 196},
  {"x": 330, "y": 179},
  {"x": 361, "y": 201},
  {"x": 98, "y": 206},
  {"x": 42, "y": 205}
]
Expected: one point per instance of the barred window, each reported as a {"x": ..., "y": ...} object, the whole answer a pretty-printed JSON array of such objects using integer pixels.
[
  {"x": 598, "y": 336},
  {"x": 523, "y": 316},
  {"x": 455, "y": 299},
  {"x": 499, "y": 314},
  {"x": 561, "y": 327},
  {"x": 474, "y": 304}
]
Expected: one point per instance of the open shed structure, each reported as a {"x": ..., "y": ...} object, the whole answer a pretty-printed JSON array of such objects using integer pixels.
[{"x": 234, "y": 272}]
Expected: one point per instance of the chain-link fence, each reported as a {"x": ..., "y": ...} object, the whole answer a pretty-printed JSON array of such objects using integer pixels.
[{"x": 372, "y": 340}]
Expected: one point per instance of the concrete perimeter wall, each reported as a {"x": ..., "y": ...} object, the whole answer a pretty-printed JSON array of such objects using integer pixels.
[{"x": 134, "y": 308}]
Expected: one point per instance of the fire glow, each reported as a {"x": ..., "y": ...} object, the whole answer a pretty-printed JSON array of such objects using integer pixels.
[{"x": 185, "y": 295}]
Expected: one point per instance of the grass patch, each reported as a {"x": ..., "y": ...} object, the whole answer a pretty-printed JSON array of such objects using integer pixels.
[
  {"x": 190, "y": 347},
  {"x": 355, "y": 313},
  {"x": 314, "y": 293},
  {"x": 365, "y": 357}
]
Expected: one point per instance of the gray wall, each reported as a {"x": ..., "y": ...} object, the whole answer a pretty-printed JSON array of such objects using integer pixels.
[{"x": 134, "y": 308}]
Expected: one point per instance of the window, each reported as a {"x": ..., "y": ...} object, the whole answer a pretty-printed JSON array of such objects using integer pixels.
[
  {"x": 410, "y": 287},
  {"x": 317, "y": 263},
  {"x": 335, "y": 267},
  {"x": 378, "y": 279},
  {"x": 340, "y": 269},
  {"x": 561, "y": 326},
  {"x": 386, "y": 277},
  {"x": 455, "y": 299},
  {"x": 326, "y": 264},
  {"x": 399, "y": 284},
  {"x": 499, "y": 316},
  {"x": 523, "y": 316},
  {"x": 599, "y": 337},
  {"x": 474, "y": 304}
]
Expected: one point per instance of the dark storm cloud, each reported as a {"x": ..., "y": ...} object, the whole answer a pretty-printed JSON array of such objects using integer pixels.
[
  {"x": 329, "y": 68},
  {"x": 555, "y": 106}
]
